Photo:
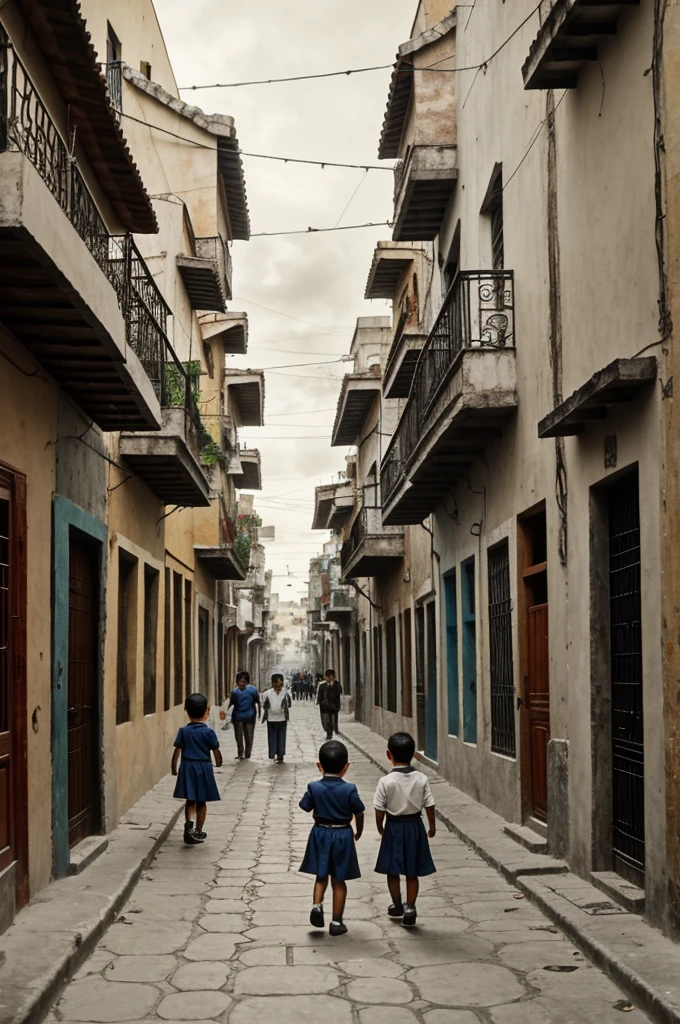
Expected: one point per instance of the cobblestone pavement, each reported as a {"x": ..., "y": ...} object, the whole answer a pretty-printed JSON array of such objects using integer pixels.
[{"x": 220, "y": 932}]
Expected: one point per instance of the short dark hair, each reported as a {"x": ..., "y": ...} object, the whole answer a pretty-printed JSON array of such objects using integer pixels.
[
  {"x": 196, "y": 705},
  {"x": 333, "y": 756},
  {"x": 243, "y": 675},
  {"x": 277, "y": 675},
  {"x": 402, "y": 747},
  {"x": 329, "y": 670}
]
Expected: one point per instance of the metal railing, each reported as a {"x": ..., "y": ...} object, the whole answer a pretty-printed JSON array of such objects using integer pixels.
[
  {"x": 368, "y": 523},
  {"x": 478, "y": 313},
  {"x": 27, "y": 127},
  {"x": 114, "y": 81}
]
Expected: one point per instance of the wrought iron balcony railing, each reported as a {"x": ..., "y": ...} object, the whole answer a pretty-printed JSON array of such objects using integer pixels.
[
  {"x": 27, "y": 127},
  {"x": 478, "y": 313},
  {"x": 114, "y": 80},
  {"x": 368, "y": 523}
]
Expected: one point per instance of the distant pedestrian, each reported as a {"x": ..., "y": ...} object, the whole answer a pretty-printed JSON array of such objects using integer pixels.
[
  {"x": 404, "y": 850},
  {"x": 276, "y": 712},
  {"x": 331, "y": 851},
  {"x": 195, "y": 778},
  {"x": 329, "y": 699},
  {"x": 245, "y": 704}
]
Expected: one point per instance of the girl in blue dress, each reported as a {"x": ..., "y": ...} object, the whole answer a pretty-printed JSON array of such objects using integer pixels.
[
  {"x": 331, "y": 852},
  {"x": 195, "y": 778}
]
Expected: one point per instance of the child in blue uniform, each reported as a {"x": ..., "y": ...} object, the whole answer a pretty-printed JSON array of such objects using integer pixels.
[
  {"x": 196, "y": 779},
  {"x": 404, "y": 850},
  {"x": 331, "y": 852}
]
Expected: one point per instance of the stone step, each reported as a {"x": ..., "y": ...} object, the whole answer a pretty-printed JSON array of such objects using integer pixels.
[
  {"x": 527, "y": 838},
  {"x": 626, "y": 894}
]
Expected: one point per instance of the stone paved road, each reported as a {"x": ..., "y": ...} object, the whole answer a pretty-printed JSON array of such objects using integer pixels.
[{"x": 220, "y": 932}]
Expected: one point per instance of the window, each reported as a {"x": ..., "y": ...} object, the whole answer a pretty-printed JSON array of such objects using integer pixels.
[
  {"x": 167, "y": 654},
  {"x": 127, "y": 615},
  {"x": 177, "y": 637},
  {"x": 469, "y": 625},
  {"x": 391, "y": 641},
  {"x": 406, "y": 669},
  {"x": 150, "y": 638},
  {"x": 493, "y": 208},
  {"x": 114, "y": 78},
  {"x": 500, "y": 652},
  {"x": 420, "y": 675},
  {"x": 377, "y": 667},
  {"x": 204, "y": 649},
  {"x": 451, "y": 601},
  {"x": 145, "y": 68},
  {"x": 188, "y": 653}
]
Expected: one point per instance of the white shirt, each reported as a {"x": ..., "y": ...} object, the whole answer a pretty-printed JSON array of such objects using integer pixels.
[
  {"x": 403, "y": 792},
  {"x": 277, "y": 712}
]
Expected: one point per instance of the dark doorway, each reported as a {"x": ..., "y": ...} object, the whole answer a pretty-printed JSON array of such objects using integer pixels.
[
  {"x": 431, "y": 715},
  {"x": 150, "y": 638},
  {"x": 406, "y": 667},
  {"x": 13, "y": 761},
  {"x": 420, "y": 676},
  {"x": 203, "y": 650},
  {"x": 536, "y": 664},
  {"x": 625, "y": 608},
  {"x": 84, "y": 813}
]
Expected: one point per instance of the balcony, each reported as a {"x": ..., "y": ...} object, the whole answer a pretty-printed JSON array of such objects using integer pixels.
[
  {"x": 609, "y": 388},
  {"x": 246, "y": 469},
  {"x": 223, "y": 562},
  {"x": 230, "y": 328},
  {"x": 463, "y": 390},
  {"x": 342, "y": 605},
  {"x": 332, "y": 504},
  {"x": 207, "y": 274},
  {"x": 81, "y": 301},
  {"x": 403, "y": 358},
  {"x": 169, "y": 461},
  {"x": 391, "y": 260},
  {"x": 246, "y": 390},
  {"x": 569, "y": 39},
  {"x": 423, "y": 186},
  {"x": 371, "y": 548},
  {"x": 357, "y": 394}
]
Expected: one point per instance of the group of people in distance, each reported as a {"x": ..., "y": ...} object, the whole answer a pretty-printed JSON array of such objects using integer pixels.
[{"x": 338, "y": 811}]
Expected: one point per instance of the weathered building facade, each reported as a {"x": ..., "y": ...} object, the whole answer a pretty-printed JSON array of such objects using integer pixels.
[
  {"x": 119, "y": 459},
  {"x": 532, "y": 454}
]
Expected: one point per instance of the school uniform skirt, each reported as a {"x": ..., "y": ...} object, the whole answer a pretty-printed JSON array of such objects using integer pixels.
[
  {"x": 331, "y": 851},
  {"x": 196, "y": 782},
  {"x": 404, "y": 849}
]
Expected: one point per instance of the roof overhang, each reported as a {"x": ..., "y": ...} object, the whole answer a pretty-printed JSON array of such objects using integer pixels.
[
  {"x": 401, "y": 363},
  {"x": 357, "y": 395},
  {"x": 618, "y": 382},
  {"x": 61, "y": 35},
  {"x": 231, "y": 328},
  {"x": 401, "y": 86},
  {"x": 323, "y": 502},
  {"x": 202, "y": 282},
  {"x": 247, "y": 390},
  {"x": 342, "y": 506},
  {"x": 390, "y": 262},
  {"x": 228, "y": 153},
  {"x": 250, "y": 476},
  {"x": 221, "y": 562}
]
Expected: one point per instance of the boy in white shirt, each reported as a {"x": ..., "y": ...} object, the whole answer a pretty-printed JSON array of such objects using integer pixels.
[{"x": 398, "y": 803}]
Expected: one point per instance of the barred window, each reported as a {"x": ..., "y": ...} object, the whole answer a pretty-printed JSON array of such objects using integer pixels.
[{"x": 500, "y": 649}]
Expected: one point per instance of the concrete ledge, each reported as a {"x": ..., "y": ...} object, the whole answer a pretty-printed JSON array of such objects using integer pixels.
[
  {"x": 637, "y": 957},
  {"x": 630, "y": 896},
  {"x": 527, "y": 838},
  {"x": 52, "y": 937},
  {"x": 86, "y": 852}
]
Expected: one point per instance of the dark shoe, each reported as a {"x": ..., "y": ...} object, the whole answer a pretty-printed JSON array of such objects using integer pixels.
[
  {"x": 316, "y": 918},
  {"x": 201, "y": 836},
  {"x": 395, "y": 910},
  {"x": 337, "y": 928},
  {"x": 280, "y": 760},
  {"x": 189, "y": 834},
  {"x": 410, "y": 917}
]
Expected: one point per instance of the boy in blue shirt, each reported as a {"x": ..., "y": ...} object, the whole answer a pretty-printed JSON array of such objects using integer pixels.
[
  {"x": 244, "y": 700},
  {"x": 331, "y": 852}
]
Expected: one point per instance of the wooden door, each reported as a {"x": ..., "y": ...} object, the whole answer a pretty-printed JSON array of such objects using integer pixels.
[
  {"x": 13, "y": 760},
  {"x": 84, "y": 814},
  {"x": 538, "y": 707}
]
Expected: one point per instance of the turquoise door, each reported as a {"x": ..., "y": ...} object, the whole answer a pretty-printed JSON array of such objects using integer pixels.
[{"x": 469, "y": 651}]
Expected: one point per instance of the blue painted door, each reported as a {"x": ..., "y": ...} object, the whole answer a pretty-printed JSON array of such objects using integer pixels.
[
  {"x": 451, "y": 600},
  {"x": 469, "y": 651},
  {"x": 431, "y": 746}
]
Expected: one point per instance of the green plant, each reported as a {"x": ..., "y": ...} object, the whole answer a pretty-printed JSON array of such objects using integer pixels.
[
  {"x": 175, "y": 382},
  {"x": 242, "y": 548},
  {"x": 209, "y": 449}
]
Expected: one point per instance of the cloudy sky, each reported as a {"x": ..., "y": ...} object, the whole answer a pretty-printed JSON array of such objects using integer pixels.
[{"x": 302, "y": 294}]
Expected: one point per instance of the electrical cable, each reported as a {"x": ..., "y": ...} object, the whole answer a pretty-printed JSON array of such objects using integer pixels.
[
  {"x": 290, "y": 316},
  {"x": 320, "y": 231}
]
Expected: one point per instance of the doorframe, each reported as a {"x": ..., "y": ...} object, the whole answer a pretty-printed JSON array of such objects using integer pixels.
[
  {"x": 15, "y": 483},
  {"x": 68, "y": 517}
]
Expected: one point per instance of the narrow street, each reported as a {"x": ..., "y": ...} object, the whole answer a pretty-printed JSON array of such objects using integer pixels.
[{"x": 220, "y": 932}]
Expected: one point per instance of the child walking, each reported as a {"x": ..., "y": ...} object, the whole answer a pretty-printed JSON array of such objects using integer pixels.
[
  {"x": 404, "y": 849},
  {"x": 195, "y": 778},
  {"x": 331, "y": 852}
]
